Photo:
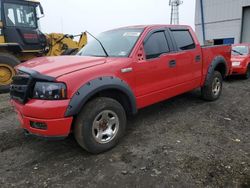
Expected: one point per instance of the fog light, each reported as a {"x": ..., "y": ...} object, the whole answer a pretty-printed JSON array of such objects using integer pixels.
[{"x": 38, "y": 125}]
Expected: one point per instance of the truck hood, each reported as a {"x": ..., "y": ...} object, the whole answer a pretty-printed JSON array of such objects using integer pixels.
[{"x": 61, "y": 65}]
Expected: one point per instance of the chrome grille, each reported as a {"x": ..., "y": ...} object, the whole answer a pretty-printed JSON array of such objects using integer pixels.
[{"x": 19, "y": 87}]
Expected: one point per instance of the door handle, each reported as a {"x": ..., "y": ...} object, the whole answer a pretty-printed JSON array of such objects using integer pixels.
[
  {"x": 126, "y": 70},
  {"x": 197, "y": 58},
  {"x": 172, "y": 64}
]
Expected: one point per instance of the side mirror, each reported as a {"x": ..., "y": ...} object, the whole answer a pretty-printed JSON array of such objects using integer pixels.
[
  {"x": 41, "y": 9},
  {"x": 141, "y": 54}
]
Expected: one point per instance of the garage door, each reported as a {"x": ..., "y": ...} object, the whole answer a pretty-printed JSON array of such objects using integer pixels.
[{"x": 246, "y": 25}]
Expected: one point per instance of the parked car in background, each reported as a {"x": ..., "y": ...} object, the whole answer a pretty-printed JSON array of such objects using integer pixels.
[
  {"x": 112, "y": 77},
  {"x": 241, "y": 60}
]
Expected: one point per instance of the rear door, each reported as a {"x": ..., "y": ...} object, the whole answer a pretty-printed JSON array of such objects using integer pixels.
[{"x": 188, "y": 57}]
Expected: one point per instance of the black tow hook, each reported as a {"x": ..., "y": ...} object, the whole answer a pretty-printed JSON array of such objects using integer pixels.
[{"x": 26, "y": 133}]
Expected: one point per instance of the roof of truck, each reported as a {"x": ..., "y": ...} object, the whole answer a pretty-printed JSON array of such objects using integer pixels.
[{"x": 155, "y": 26}]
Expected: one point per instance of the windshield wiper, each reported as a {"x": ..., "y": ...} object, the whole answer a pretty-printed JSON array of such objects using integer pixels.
[
  {"x": 107, "y": 55},
  {"x": 237, "y": 52}
]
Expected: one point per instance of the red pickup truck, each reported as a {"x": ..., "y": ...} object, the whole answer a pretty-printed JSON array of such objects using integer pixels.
[{"x": 113, "y": 76}]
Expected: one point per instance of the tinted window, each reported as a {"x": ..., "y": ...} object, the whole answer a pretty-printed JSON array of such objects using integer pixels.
[
  {"x": 20, "y": 15},
  {"x": 183, "y": 40},
  {"x": 156, "y": 45}
]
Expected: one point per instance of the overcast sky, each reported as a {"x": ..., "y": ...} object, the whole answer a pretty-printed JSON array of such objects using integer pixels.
[{"x": 75, "y": 16}]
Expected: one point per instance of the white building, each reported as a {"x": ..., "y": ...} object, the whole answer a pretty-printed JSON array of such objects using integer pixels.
[{"x": 222, "y": 21}]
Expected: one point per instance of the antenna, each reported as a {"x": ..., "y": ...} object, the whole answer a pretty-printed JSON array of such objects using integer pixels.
[
  {"x": 61, "y": 24},
  {"x": 175, "y": 11}
]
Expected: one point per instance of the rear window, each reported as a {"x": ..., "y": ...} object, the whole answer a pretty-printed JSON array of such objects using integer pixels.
[{"x": 183, "y": 39}]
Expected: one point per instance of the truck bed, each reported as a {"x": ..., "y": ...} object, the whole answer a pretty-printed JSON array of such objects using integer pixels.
[{"x": 209, "y": 52}]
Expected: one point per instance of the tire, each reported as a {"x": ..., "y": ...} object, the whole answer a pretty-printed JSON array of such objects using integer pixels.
[
  {"x": 100, "y": 116},
  {"x": 4, "y": 89},
  {"x": 212, "y": 91},
  {"x": 247, "y": 75},
  {"x": 7, "y": 64}
]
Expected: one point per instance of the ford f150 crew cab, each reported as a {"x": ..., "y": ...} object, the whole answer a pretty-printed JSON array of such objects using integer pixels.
[
  {"x": 241, "y": 60},
  {"x": 121, "y": 71}
]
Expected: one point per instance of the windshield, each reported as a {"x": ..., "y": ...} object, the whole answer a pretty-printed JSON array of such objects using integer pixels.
[
  {"x": 117, "y": 43},
  {"x": 18, "y": 15},
  {"x": 241, "y": 49}
]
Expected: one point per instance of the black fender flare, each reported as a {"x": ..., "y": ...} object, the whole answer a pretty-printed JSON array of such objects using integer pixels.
[
  {"x": 94, "y": 86},
  {"x": 216, "y": 61}
]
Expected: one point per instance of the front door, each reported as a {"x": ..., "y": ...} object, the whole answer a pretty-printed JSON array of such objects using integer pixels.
[{"x": 156, "y": 71}]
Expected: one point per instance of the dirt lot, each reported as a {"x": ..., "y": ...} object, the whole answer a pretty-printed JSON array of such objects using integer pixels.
[{"x": 183, "y": 142}]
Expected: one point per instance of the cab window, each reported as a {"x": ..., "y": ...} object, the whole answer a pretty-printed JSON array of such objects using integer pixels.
[
  {"x": 156, "y": 45},
  {"x": 20, "y": 15}
]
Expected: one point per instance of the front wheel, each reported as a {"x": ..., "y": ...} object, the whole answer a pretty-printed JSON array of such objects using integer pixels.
[
  {"x": 247, "y": 75},
  {"x": 100, "y": 125},
  {"x": 213, "y": 89}
]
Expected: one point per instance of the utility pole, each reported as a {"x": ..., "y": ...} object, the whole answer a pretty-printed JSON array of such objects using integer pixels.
[{"x": 175, "y": 11}]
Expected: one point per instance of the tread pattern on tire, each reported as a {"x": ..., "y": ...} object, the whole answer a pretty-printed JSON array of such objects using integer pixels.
[
  {"x": 82, "y": 132},
  {"x": 247, "y": 76},
  {"x": 206, "y": 91},
  {"x": 11, "y": 60}
]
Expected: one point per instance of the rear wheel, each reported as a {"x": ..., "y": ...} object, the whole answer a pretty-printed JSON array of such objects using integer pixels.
[
  {"x": 247, "y": 75},
  {"x": 7, "y": 71},
  {"x": 100, "y": 125},
  {"x": 213, "y": 89}
]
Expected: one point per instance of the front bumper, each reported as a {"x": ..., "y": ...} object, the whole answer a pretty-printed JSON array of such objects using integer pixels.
[
  {"x": 49, "y": 113},
  {"x": 239, "y": 70}
]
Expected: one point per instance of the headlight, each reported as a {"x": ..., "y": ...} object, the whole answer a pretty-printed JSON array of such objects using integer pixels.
[
  {"x": 49, "y": 91},
  {"x": 236, "y": 63}
]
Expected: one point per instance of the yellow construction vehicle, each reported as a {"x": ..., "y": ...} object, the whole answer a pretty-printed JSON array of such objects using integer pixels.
[{"x": 21, "y": 38}]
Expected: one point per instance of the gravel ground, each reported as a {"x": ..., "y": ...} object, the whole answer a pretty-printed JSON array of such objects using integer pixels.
[{"x": 182, "y": 142}]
